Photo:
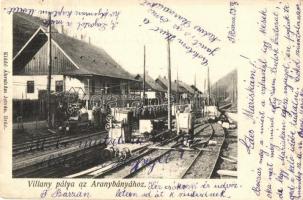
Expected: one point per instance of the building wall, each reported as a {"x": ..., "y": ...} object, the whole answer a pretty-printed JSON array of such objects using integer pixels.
[
  {"x": 73, "y": 84},
  {"x": 40, "y": 83},
  {"x": 38, "y": 65}
]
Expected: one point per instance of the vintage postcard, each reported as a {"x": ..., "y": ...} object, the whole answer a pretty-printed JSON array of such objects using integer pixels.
[{"x": 144, "y": 99}]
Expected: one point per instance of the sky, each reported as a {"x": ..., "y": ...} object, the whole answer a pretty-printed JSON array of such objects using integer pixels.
[{"x": 126, "y": 42}]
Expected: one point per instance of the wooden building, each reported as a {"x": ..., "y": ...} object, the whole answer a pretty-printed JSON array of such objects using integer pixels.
[
  {"x": 188, "y": 91},
  {"x": 152, "y": 89},
  {"x": 77, "y": 66},
  {"x": 177, "y": 90}
]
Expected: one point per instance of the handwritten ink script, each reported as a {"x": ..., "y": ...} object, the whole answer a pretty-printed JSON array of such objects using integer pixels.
[
  {"x": 195, "y": 40},
  {"x": 181, "y": 190},
  {"x": 232, "y": 33},
  {"x": 274, "y": 103},
  {"x": 134, "y": 188},
  {"x": 99, "y": 19}
]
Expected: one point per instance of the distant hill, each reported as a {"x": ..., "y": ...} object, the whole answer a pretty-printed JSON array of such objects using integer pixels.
[{"x": 225, "y": 89}]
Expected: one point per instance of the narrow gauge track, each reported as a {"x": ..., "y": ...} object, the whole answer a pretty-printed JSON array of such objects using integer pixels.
[
  {"x": 110, "y": 166},
  {"x": 210, "y": 154},
  {"x": 179, "y": 158},
  {"x": 125, "y": 162},
  {"x": 59, "y": 162},
  {"x": 51, "y": 141},
  {"x": 62, "y": 159},
  {"x": 38, "y": 137},
  {"x": 62, "y": 164},
  {"x": 151, "y": 155}
]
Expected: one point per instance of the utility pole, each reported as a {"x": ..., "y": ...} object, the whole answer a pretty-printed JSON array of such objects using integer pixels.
[
  {"x": 195, "y": 81},
  {"x": 169, "y": 87},
  {"x": 208, "y": 85},
  {"x": 195, "y": 92},
  {"x": 144, "y": 77},
  {"x": 216, "y": 92},
  {"x": 49, "y": 78},
  {"x": 178, "y": 96}
]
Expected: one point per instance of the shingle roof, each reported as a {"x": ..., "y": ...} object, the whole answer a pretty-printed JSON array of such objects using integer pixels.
[
  {"x": 187, "y": 87},
  {"x": 173, "y": 85},
  {"x": 196, "y": 89},
  {"x": 150, "y": 82},
  {"x": 90, "y": 59}
]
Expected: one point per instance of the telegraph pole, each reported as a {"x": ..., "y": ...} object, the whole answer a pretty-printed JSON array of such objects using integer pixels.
[
  {"x": 178, "y": 97},
  {"x": 208, "y": 85},
  {"x": 169, "y": 87},
  {"x": 49, "y": 78},
  {"x": 144, "y": 77}
]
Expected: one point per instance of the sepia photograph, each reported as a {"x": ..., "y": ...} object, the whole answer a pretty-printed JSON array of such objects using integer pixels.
[
  {"x": 77, "y": 113},
  {"x": 145, "y": 99}
]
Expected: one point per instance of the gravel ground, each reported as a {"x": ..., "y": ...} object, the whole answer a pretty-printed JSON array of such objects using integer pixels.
[
  {"x": 230, "y": 149},
  {"x": 171, "y": 165},
  {"x": 206, "y": 162}
]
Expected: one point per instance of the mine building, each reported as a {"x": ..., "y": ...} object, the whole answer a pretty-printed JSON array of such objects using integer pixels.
[
  {"x": 178, "y": 92},
  {"x": 153, "y": 90},
  {"x": 77, "y": 66}
]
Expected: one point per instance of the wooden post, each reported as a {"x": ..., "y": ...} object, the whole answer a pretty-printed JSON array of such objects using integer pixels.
[
  {"x": 49, "y": 117},
  {"x": 178, "y": 96},
  {"x": 144, "y": 77},
  {"x": 88, "y": 90},
  {"x": 208, "y": 85},
  {"x": 169, "y": 87},
  {"x": 195, "y": 93}
]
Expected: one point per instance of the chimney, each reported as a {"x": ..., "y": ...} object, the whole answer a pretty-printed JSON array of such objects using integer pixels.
[{"x": 81, "y": 37}]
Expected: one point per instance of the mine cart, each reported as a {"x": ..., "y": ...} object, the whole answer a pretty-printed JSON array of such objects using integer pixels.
[
  {"x": 120, "y": 126},
  {"x": 185, "y": 122},
  {"x": 77, "y": 120}
]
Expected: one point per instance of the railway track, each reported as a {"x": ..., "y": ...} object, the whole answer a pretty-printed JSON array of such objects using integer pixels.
[
  {"x": 48, "y": 142},
  {"x": 127, "y": 161},
  {"x": 152, "y": 161},
  {"x": 52, "y": 159},
  {"x": 139, "y": 165},
  {"x": 211, "y": 154},
  {"x": 177, "y": 162},
  {"x": 61, "y": 164}
]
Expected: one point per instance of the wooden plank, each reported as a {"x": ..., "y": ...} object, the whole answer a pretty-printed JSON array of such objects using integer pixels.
[
  {"x": 228, "y": 159},
  {"x": 38, "y": 63},
  {"x": 227, "y": 173}
]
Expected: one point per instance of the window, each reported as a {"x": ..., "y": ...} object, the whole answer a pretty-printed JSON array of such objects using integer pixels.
[
  {"x": 30, "y": 87},
  {"x": 59, "y": 86}
]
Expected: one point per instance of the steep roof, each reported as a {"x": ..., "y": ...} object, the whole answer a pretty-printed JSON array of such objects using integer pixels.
[
  {"x": 150, "y": 82},
  {"x": 195, "y": 89},
  {"x": 186, "y": 87},
  {"x": 174, "y": 86},
  {"x": 90, "y": 59}
]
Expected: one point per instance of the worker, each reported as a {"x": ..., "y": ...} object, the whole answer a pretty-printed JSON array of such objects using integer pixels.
[
  {"x": 222, "y": 117},
  {"x": 96, "y": 115},
  {"x": 83, "y": 115},
  {"x": 60, "y": 115},
  {"x": 103, "y": 113}
]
